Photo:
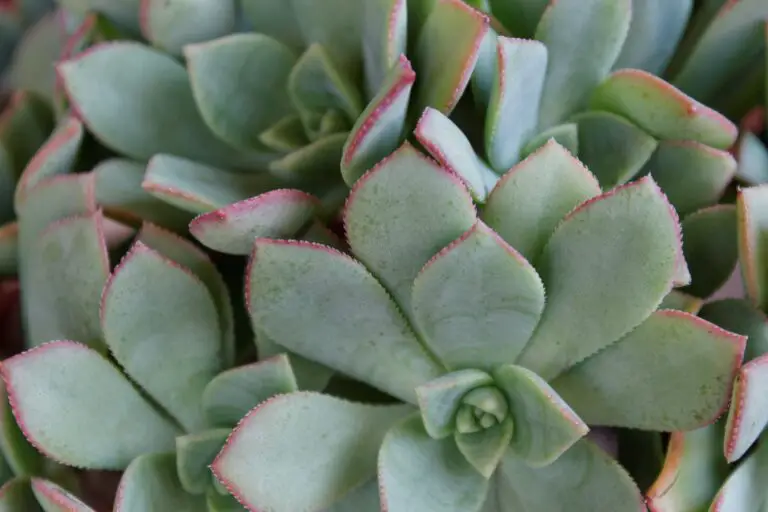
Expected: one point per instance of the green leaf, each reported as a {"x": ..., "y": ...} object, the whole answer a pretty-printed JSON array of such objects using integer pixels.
[
  {"x": 478, "y": 301},
  {"x": 752, "y": 157},
  {"x": 752, "y": 215},
  {"x": 612, "y": 148},
  {"x": 363, "y": 333},
  {"x": 124, "y": 12},
  {"x": 693, "y": 471},
  {"x": 445, "y": 54},
  {"x": 17, "y": 452},
  {"x": 710, "y": 246},
  {"x": 316, "y": 163},
  {"x": 16, "y": 495},
  {"x": 513, "y": 110},
  {"x": 597, "y": 292},
  {"x": 138, "y": 101},
  {"x": 531, "y": 199},
  {"x": 222, "y": 503},
  {"x": 485, "y": 71},
  {"x": 662, "y": 110},
  {"x": 452, "y": 150},
  {"x": 303, "y": 451},
  {"x": 384, "y": 31},
  {"x": 583, "y": 39},
  {"x": 379, "y": 129},
  {"x": 182, "y": 325},
  {"x": 689, "y": 365},
  {"x": 276, "y": 19},
  {"x": 230, "y": 395},
  {"x": 741, "y": 317},
  {"x": 186, "y": 254},
  {"x": 743, "y": 490},
  {"x": 27, "y": 123},
  {"x": 285, "y": 135},
  {"x": 9, "y": 249},
  {"x": 172, "y": 24},
  {"x": 119, "y": 192},
  {"x": 567, "y": 135},
  {"x": 56, "y": 156},
  {"x": 545, "y": 426},
  {"x": 194, "y": 453},
  {"x": 583, "y": 478},
  {"x": 381, "y": 209},
  {"x": 150, "y": 483},
  {"x": 280, "y": 213},
  {"x": 240, "y": 84},
  {"x": 68, "y": 267},
  {"x": 55, "y": 400},
  {"x": 309, "y": 375},
  {"x": 521, "y": 16},
  {"x": 682, "y": 302},
  {"x": 56, "y": 499},
  {"x": 748, "y": 415},
  {"x": 199, "y": 188},
  {"x": 656, "y": 29},
  {"x": 485, "y": 449},
  {"x": 439, "y": 399},
  {"x": 32, "y": 67},
  {"x": 364, "y": 498},
  {"x": 417, "y": 472},
  {"x": 691, "y": 174}
]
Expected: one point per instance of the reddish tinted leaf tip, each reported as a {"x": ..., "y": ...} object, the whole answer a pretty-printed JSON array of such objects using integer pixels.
[
  {"x": 52, "y": 494},
  {"x": 634, "y": 184},
  {"x": 470, "y": 59},
  {"x": 433, "y": 148},
  {"x": 668, "y": 474},
  {"x": 748, "y": 263},
  {"x": 72, "y": 129},
  {"x": 741, "y": 386},
  {"x": 397, "y": 9}
]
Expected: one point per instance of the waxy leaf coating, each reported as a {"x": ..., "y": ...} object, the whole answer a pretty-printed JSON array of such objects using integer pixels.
[
  {"x": 748, "y": 415},
  {"x": 53, "y": 498}
]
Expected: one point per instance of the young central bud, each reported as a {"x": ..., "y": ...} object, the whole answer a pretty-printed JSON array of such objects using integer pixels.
[{"x": 480, "y": 409}]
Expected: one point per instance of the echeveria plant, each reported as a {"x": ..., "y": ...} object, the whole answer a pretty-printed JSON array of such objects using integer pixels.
[{"x": 504, "y": 334}]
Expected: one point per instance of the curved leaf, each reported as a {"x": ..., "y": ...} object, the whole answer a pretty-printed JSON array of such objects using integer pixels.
[
  {"x": 485, "y": 449},
  {"x": 172, "y": 24},
  {"x": 598, "y": 291},
  {"x": 182, "y": 326},
  {"x": 348, "y": 321},
  {"x": 521, "y": 16},
  {"x": 303, "y": 451},
  {"x": 56, "y": 499},
  {"x": 240, "y": 84},
  {"x": 741, "y": 317},
  {"x": 309, "y": 375},
  {"x": 9, "y": 249},
  {"x": 124, "y": 12},
  {"x": 316, "y": 163},
  {"x": 16, "y": 495},
  {"x": 689, "y": 365},
  {"x": 752, "y": 215},
  {"x": 567, "y": 135},
  {"x": 752, "y": 156},
  {"x": 276, "y": 19},
  {"x": 748, "y": 414},
  {"x": 384, "y": 31},
  {"x": 54, "y": 400},
  {"x": 20, "y": 455},
  {"x": 194, "y": 453}
]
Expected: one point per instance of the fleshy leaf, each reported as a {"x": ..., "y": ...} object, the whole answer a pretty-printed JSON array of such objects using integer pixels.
[
  {"x": 439, "y": 399},
  {"x": 656, "y": 29},
  {"x": 32, "y": 65},
  {"x": 280, "y": 213},
  {"x": 274, "y": 18},
  {"x": 521, "y": 17},
  {"x": 181, "y": 326},
  {"x": 381, "y": 209},
  {"x": 710, "y": 246},
  {"x": 199, "y": 188},
  {"x": 597, "y": 292},
  {"x": 693, "y": 471},
  {"x": 385, "y": 24},
  {"x": 125, "y": 12},
  {"x": 138, "y": 101},
  {"x": 348, "y": 320},
  {"x": 231, "y": 394},
  {"x": 9, "y": 249},
  {"x": 151, "y": 483},
  {"x": 533, "y": 197},
  {"x": 485, "y": 449},
  {"x": 54, "y": 399},
  {"x": 445, "y": 54},
  {"x": 682, "y": 302},
  {"x": 317, "y": 162},
  {"x": 583, "y": 478},
  {"x": 691, "y": 174},
  {"x": 364, "y": 498},
  {"x": 172, "y": 24},
  {"x": 494, "y": 327},
  {"x": 752, "y": 156},
  {"x": 186, "y": 254},
  {"x": 119, "y": 192},
  {"x": 417, "y": 472},
  {"x": 744, "y": 490},
  {"x": 303, "y": 451},
  {"x": 584, "y": 38},
  {"x": 56, "y": 499},
  {"x": 194, "y": 453},
  {"x": 27, "y": 122},
  {"x": 16, "y": 495},
  {"x": 240, "y": 84},
  {"x": 567, "y": 135},
  {"x": 379, "y": 129},
  {"x": 310, "y": 376},
  {"x": 741, "y": 317},
  {"x": 688, "y": 367},
  {"x": 545, "y": 426},
  {"x": 19, "y": 454},
  {"x": 748, "y": 414},
  {"x": 515, "y": 98},
  {"x": 222, "y": 502},
  {"x": 662, "y": 110},
  {"x": 612, "y": 148},
  {"x": 752, "y": 215},
  {"x": 68, "y": 269}
]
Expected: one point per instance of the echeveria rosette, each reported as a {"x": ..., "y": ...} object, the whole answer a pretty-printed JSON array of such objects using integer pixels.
[{"x": 444, "y": 311}]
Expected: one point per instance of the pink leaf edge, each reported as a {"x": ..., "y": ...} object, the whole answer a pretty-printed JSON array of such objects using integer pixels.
[
  {"x": 56, "y": 495},
  {"x": 741, "y": 387},
  {"x": 99, "y": 224}
]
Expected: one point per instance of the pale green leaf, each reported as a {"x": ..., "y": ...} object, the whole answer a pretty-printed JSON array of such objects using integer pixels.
[
  {"x": 752, "y": 156},
  {"x": 194, "y": 453},
  {"x": 381, "y": 210},
  {"x": 744, "y": 489},
  {"x": 741, "y": 317},
  {"x": 384, "y": 31},
  {"x": 682, "y": 302},
  {"x": 688, "y": 368},
  {"x": 56, "y": 499},
  {"x": 55, "y": 400},
  {"x": 285, "y": 135},
  {"x": 598, "y": 291},
  {"x": 172, "y": 24},
  {"x": 748, "y": 415},
  {"x": 303, "y": 451},
  {"x": 316, "y": 163},
  {"x": 222, "y": 502},
  {"x": 348, "y": 321},
  {"x": 274, "y": 18},
  {"x": 240, "y": 84},
  {"x": 417, "y": 472},
  {"x": 365, "y": 498},
  {"x": 310, "y": 376},
  {"x": 32, "y": 67},
  {"x": 182, "y": 326},
  {"x": 230, "y": 395},
  {"x": 485, "y": 449},
  {"x": 478, "y": 301},
  {"x": 17, "y": 452},
  {"x": 710, "y": 246},
  {"x": 583, "y": 39},
  {"x": 532, "y": 198},
  {"x": 752, "y": 216},
  {"x": 27, "y": 123},
  {"x": 567, "y": 135},
  {"x": 124, "y": 12}
]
